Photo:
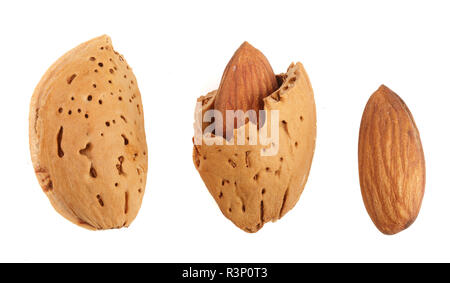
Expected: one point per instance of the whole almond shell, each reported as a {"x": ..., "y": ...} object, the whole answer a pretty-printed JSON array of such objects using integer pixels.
[
  {"x": 87, "y": 137},
  {"x": 391, "y": 162}
]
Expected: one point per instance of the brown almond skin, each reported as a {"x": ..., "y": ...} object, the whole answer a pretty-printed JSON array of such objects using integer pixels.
[
  {"x": 247, "y": 80},
  {"x": 391, "y": 162}
]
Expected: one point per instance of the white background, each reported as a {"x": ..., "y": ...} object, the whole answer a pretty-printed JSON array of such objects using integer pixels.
[{"x": 178, "y": 50}]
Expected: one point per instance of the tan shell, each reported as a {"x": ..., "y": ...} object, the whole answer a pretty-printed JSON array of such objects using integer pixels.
[
  {"x": 87, "y": 137},
  {"x": 251, "y": 189},
  {"x": 391, "y": 162}
]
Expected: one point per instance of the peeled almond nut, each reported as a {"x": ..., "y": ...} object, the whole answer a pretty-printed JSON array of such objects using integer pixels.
[
  {"x": 87, "y": 137},
  {"x": 246, "y": 81},
  {"x": 391, "y": 162}
]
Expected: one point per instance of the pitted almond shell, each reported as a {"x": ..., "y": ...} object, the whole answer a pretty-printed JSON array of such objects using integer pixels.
[
  {"x": 87, "y": 137},
  {"x": 251, "y": 189}
]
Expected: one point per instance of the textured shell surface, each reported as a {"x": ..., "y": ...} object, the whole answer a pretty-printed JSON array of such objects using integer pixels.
[
  {"x": 391, "y": 162},
  {"x": 87, "y": 137},
  {"x": 252, "y": 189}
]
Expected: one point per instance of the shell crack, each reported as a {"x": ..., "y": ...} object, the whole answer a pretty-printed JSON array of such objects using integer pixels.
[
  {"x": 119, "y": 166},
  {"x": 87, "y": 151},
  {"x": 59, "y": 141}
]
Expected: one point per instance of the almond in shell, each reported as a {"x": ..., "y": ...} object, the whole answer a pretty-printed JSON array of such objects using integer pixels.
[{"x": 252, "y": 189}]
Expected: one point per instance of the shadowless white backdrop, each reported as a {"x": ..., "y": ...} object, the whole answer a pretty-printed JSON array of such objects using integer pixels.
[{"x": 178, "y": 51}]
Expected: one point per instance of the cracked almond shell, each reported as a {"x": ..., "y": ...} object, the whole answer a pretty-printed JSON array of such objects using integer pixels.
[
  {"x": 391, "y": 162},
  {"x": 251, "y": 189},
  {"x": 87, "y": 137}
]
